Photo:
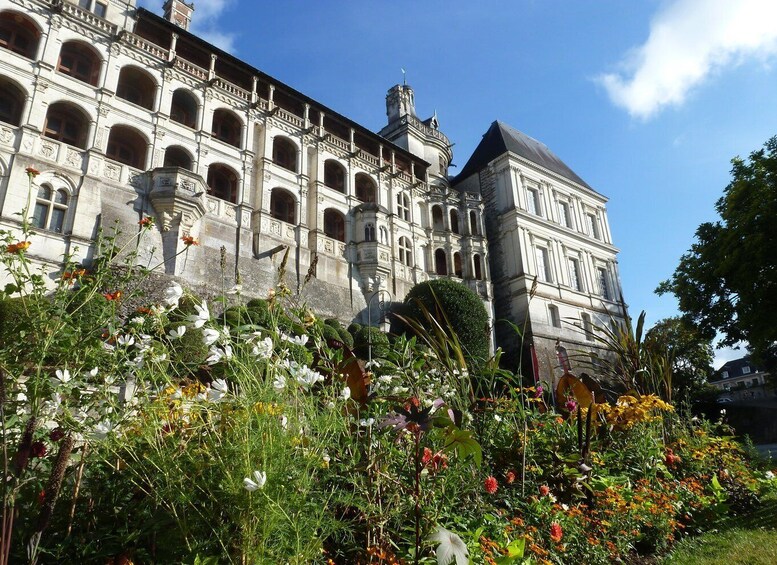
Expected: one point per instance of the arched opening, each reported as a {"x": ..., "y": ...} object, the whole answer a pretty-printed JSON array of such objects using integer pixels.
[
  {"x": 334, "y": 224},
  {"x": 11, "y": 102},
  {"x": 79, "y": 61},
  {"x": 222, "y": 182},
  {"x": 437, "y": 222},
  {"x": 126, "y": 145},
  {"x": 457, "y": 271},
  {"x": 66, "y": 123},
  {"x": 183, "y": 108},
  {"x": 473, "y": 223},
  {"x": 405, "y": 252},
  {"x": 454, "y": 217},
  {"x": 440, "y": 262},
  {"x": 176, "y": 156},
  {"x": 334, "y": 175},
  {"x": 283, "y": 206},
  {"x": 19, "y": 34},
  {"x": 365, "y": 188},
  {"x": 478, "y": 267},
  {"x": 369, "y": 232},
  {"x": 284, "y": 153},
  {"x": 136, "y": 86},
  {"x": 50, "y": 208},
  {"x": 227, "y": 127}
]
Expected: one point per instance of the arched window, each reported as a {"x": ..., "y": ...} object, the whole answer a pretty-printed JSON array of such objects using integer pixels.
[
  {"x": 555, "y": 319},
  {"x": 403, "y": 206},
  {"x": 11, "y": 102},
  {"x": 127, "y": 146},
  {"x": 50, "y": 209},
  {"x": 478, "y": 267},
  {"x": 222, "y": 182},
  {"x": 334, "y": 224},
  {"x": 176, "y": 156},
  {"x": 80, "y": 62},
  {"x": 183, "y": 108},
  {"x": 136, "y": 86},
  {"x": 334, "y": 175},
  {"x": 283, "y": 206},
  {"x": 19, "y": 34},
  {"x": 227, "y": 127},
  {"x": 66, "y": 123},
  {"x": 457, "y": 270},
  {"x": 440, "y": 262},
  {"x": 365, "y": 188},
  {"x": 454, "y": 217},
  {"x": 405, "y": 252},
  {"x": 369, "y": 232},
  {"x": 437, "y": 223},
  {"x": 474, "y": 229},
  {"x": 284, "y": 153}
]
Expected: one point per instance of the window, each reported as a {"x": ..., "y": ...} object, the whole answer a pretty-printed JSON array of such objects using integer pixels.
[
  {"x": 334, "y": 175},
  {"x": 437, "y": 221},
  {"x": 593, "y": 226},
  {"x": 543, "y": 264},
  {"x": 478, "y": 267},
  {"x": 284, "y": 154},
  {"x": 334, "y": 224},
  {"x": 746, "y": 370},
  {"x": 222, "y": 182},
  {"x": 99, "y": 9},
  {"x": 574, "y": 273},
  {"x": 403, "y": 207},
  {"x": 11, "y": 102},
  {"x": 137, "y": 87},
  {"x": 365, "y": 188},
  {"x": 183, "y": 108},
  {"x": 755, "y": 382},
  {"x": 724, "y": 374},
  {"x": 177, "y": 157},
  {"x": 67, "y": 124},
  {"x": 283, "y": 206},
  {"x": 127, "y": 146},
  {"x": 563, "y": 214},
  {"x": 50, "y": 209},
  {"x": 18, "y": 34},
  {"x": 405, "y": 252},
  {"x": 226, "y": 127},
  {"x": 588, "y": 327},
  {"x": 369, "y": 232},
  {"x": 440, "y": 262},
  {"x": 457, "y": 271},
  {"x": 555, "y": 319},
  {"x": 454, "y": 217},
  {"x": 604, "y": 283},
  {"x": 443, "y": 165},
  {"x": 473, "y": 223},
  {"x": 80, "y": 62},
  {"x": 533, "y": 201}
]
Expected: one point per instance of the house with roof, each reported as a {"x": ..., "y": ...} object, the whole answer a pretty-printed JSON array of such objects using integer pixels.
[{"x": 741, "y": 379}]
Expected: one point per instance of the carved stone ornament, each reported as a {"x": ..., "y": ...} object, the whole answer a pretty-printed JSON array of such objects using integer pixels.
[
  {"x": 174, "y": 204},
  {"x": 5, "y": 135}
]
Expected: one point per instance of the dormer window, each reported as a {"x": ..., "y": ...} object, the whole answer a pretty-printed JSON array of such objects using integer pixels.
[{"x": 746, "y": 370}]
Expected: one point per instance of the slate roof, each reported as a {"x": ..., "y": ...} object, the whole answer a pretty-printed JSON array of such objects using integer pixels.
[
  {"x": 734, "y": 368},
  {"x": 501, "y": 138}
]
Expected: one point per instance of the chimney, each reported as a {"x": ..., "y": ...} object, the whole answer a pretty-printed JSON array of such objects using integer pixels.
[{"x": 178, "y": 12}]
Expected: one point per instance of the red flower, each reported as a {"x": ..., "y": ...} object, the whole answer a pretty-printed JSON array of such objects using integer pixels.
[
  {"x": 17, "y": 247},
  {"x": 570, "y": 405},
  {"x": 56, "y": 434},
  {"x": 189, "y": 240},
  {"x": 510, "y": 477},
  {"x": 38, "y": 449},
  {"x": 556, "y": 533},
  {"x": 32, "y": 172},
  {"x": 427, "y": 457},
  {"x": 112, "y": 295},
  {"x": 440, "y": 460},
  {"x": 41, "y": 497},
  {"x": 490, "y": 484},
  {"x": 544, "y": 490},
  {"x": 146, "y": 222}
]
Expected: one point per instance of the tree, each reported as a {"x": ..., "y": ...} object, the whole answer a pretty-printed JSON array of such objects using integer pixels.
[
  {"x": 689, "y": 351},
  {"x": 727, "y": 281}
]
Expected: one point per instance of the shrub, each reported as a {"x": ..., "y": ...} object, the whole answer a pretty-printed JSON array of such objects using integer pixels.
[
  {"x": 380, "y": 343},
  {"x": 343, "y": 334}
]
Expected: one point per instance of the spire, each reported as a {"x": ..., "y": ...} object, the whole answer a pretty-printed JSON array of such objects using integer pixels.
[{"x": 400, "y": 101}]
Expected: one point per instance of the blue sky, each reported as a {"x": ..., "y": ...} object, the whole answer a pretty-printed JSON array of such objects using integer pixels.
[{"x": 646, "y": 100}]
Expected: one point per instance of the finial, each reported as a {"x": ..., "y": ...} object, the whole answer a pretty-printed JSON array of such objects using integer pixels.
[{"x": 404, "y": 76}]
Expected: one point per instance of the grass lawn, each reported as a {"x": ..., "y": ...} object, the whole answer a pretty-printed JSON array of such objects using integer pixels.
[{"x": 745, "y": 540}]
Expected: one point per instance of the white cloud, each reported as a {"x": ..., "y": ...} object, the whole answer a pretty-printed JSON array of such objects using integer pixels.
[
  {"x": 205, "y": 22},
  {"x": 688, "y": 41}
]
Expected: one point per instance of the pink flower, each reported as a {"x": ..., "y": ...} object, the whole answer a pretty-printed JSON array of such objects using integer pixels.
[
  {"x": 544, "y": 490},
  {"x": 556, "y": 533},
  {"x": 570, "y": 405},
  {"x": 491, "y": 485}
]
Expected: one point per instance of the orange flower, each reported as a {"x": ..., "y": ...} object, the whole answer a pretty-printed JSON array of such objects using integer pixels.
[
  {"x": 112, "y": 295},
  {"x": 510, "y": 477},
  {"x": 32, "y": 172},
  {"x": 17, "y": 247},
  {"x": 146, "y": 222},
  {"x": 69, "y": 275},
  {"x": 189, "y": 240},
  {"x": 544, "y": 490},
  {"x": 555, "y": 532},
  {"x": 491, "y": 485}
]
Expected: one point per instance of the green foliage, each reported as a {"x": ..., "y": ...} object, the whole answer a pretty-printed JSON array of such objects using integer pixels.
[
  {"x": 361, "y": 341},
  {"x": 344, "y": 335},
  {"x": 725, "y": 283}
]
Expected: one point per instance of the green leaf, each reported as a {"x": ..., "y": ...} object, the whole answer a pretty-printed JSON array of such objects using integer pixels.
[
  {"x": 515, "y": 550},
  {"x": 462, "y": 442}
]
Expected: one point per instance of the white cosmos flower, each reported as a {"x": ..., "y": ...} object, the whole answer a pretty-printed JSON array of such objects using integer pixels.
[
  {"x": 102, "y": 430},
  {"x": 263, "y": 349},
  {"x": 305, "y": 376},
  {"x": 279, "y": 383},
  {"x": 203, "y": 315},
  {"x": 346, "y": 394},
  {"x": 210, "y": 336},
  {"x": 138, "y": 320},
  {"x": 218, "y": 390},
  {"x": 172, "y": 295},
  {"x": 260, "y": 478},
  {"x": 297, "y": 340},
  {"x": 63, "y": 376},
  {"x": 217, "y": 354},
  {"x": 125, "y": 340},
  {"x": 177, "y": 333},
  {"x": 769, "y": 475},
  {"x": 451, "y": 548},
  {"x": 94, "y": 372}
]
